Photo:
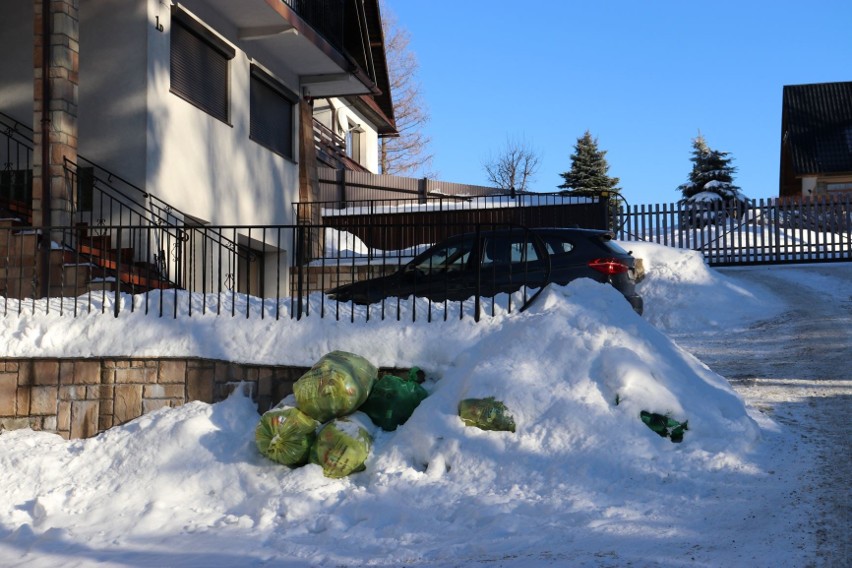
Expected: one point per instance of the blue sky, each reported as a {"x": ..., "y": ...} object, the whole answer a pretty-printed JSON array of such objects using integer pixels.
[{"x": 643, "y": 76}]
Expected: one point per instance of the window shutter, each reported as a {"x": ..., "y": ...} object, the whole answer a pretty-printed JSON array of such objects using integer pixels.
[
  {"x": 199, "y": 69},
  {"x": 271, "y": 121}
]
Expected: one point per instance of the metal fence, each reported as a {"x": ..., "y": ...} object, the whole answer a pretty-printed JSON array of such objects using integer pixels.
[
  {"x": 241, "y": 271},
  {"x": 346, "y": 186},
  {"x": 399, "y": 223},
  {"x": 773, "y": 231},
  {"x": 176, "y": 269},
  {"x": 16, "y": 165}
]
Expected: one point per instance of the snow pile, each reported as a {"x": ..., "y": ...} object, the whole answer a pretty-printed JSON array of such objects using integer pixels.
[
  {"x": 681, "y": 293},
  {"x": 582, "y": 476}
]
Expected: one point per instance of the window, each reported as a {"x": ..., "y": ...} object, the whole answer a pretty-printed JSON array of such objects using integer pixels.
[
  {"x": 838, "y": 186},
  {"x": 271, "y": 122},
  {"x": 199, "y": 66},
  {"x": 509, "y": 250},
  {"x": 556, "y": 246},
  {"x": 449, "y": 258},
  {"x": 353, "y": 142}
]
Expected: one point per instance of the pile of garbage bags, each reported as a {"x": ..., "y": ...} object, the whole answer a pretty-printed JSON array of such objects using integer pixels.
[{"x": 338, "y": 404}]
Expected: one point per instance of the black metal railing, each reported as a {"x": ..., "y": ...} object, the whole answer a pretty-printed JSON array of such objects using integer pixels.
[
  {"x": 101, "y": 202},
  {"x": 104, "y": 200},
  {"x": 16, "y": 166},
  {"x": 261, "y": 277},
  {"x": 127, "y": 250},
  {"x": 325, "y": 16}
]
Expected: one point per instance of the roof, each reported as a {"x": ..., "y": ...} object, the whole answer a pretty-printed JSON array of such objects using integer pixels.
[
  {"x": 378, "y": 107},
  {"x": 377, "y": 44},
  {"x": 817, "y": 127}
]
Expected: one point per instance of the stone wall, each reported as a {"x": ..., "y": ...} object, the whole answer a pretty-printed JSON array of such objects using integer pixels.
[{"x": 78, "y": 398}]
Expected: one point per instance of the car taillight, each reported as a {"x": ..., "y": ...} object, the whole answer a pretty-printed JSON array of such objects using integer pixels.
[{"x": 609, "y": 266}]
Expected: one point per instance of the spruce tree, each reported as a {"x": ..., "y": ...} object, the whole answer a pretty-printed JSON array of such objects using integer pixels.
[
  {"x": 588, "y": 174},
  {"x": 711, "y": 172}
]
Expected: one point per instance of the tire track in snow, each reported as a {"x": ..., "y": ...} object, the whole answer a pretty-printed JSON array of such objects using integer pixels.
[{"x": 797, "y": 367}]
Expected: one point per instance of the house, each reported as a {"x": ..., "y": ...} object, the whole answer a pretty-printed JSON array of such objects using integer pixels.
[
  {"x": 816, "y": 140},
  {"x": 219, "y": 111}
]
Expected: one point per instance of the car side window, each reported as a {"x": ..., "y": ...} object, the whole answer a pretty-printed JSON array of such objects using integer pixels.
[
  {"x": 556, "y": 246},
  {"x": 505, "y": 250},
  {"x": 448, "y": 258}
]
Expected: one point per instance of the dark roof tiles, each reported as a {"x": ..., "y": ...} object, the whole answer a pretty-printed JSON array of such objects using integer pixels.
[{"x": 817, "y": 127}]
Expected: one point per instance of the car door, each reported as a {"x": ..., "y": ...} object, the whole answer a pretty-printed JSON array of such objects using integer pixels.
[
  {"x": 511, "y": 260},
  {"x": 569, "y": 257},
  {"x": 444, "y": 272}
]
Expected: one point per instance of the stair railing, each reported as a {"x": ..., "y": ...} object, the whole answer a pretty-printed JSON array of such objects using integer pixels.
[
  {"x": 101, "y": 198},
  {"x": 16, "y": 165},
  {"x": 104, "y": 199}
]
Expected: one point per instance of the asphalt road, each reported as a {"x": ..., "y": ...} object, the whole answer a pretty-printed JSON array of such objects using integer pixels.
[{"x": 796, "y": 368}]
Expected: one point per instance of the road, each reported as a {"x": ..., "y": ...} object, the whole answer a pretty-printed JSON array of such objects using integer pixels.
[{"x": 796, "y": 368}]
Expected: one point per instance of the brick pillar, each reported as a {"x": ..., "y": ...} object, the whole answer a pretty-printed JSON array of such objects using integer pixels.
[{"x": 56, "y": 51}]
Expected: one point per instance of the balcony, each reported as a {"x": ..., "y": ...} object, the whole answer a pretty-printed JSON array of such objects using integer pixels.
[
  {"x": 325, "y": 16},
  {"x": 331, "y": 150},
  {"x": 322, "y": 42}
]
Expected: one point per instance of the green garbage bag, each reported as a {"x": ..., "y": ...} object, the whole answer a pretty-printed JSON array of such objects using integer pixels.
[
  {"x": 335, "y": 386},
  {"x": 665, "y": 426},
  {"x": 285, "y": 435},
  {"x": 392, "y": 401},
  {"x": 486, "y": 414},
  {"x": 416, "y": 374},
  {"x": 342, "y": 446}
]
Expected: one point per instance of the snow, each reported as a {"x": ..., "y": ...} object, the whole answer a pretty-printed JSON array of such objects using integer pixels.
[
  {"x": 707, "y": 196},
  {"x": 582, "y": 482}
]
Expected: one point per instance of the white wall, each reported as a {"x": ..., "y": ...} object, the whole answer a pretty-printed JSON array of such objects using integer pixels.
[
  {"x": 203, "y": 166},
  {"x": 131, "y": 124},
  {"x": 809, "y": 186},
  {"x": 112, "y": 113},
  {"x": 16, "y": 68},
  {"x": 368, "y": 139}
]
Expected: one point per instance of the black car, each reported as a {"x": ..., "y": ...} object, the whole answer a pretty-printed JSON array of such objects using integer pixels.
[{"x": 492, "y": 262}]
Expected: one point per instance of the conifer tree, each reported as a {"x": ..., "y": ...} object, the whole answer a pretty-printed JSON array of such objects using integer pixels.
[
  {"x": 711, "y": 172},
  {"x": 588, "y": 174}
]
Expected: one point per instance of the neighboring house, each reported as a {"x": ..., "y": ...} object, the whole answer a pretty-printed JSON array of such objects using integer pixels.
[
  {"x": 816, "y": 140},
  {"x": 216, "y": 107}
]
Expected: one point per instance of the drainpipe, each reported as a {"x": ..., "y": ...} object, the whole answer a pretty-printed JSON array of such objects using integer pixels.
[{"x": 46, "y": 18}]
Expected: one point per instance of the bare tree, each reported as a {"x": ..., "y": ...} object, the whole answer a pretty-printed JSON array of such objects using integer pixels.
[
  {"x": 514, "y": 168},
  {"x": 408, "y": 152}
]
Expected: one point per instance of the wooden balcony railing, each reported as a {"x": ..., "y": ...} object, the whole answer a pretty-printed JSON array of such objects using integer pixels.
[{"x": 331, "y": 150}]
